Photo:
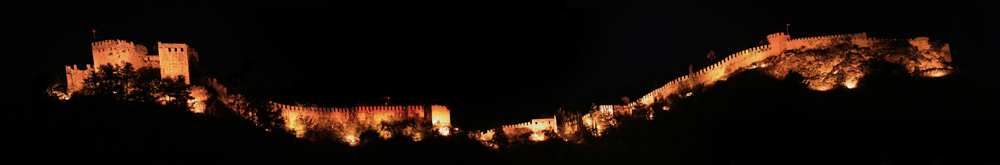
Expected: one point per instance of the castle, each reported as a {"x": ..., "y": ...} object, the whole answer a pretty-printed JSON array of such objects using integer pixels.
[{"x": 173, "y": 60}]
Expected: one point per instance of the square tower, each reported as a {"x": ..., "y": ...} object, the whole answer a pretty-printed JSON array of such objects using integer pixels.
[
  {"x": 174, "y": 60},
  {"x": 440, "y": 116}
]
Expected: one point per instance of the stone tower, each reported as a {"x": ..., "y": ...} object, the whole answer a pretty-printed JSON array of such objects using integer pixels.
[
  {"x": 119, "y": 52},
  {"x": 778, "y": 42},
  {"x": 174, "y": 60}
]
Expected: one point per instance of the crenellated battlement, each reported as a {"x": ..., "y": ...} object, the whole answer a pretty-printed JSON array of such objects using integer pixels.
[
  {"x": 749, "y": 58},
  {"x": 535, "y": 125},
  {"x": 118, "y": 52},
  {"x": 438, "y": 115}
]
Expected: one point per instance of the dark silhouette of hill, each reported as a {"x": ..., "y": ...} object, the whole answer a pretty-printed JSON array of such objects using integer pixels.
[
  {"x": 89, "y": 130},
  {"x": 891, "y": 117}
]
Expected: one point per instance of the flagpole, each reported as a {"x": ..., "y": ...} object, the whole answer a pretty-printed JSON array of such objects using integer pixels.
[
  {"x": 786, "y": 28},
  {"x": 94, "y": 34}
]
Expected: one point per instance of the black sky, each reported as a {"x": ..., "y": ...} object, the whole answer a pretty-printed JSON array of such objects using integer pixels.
[{"x": 516, "y": 61}]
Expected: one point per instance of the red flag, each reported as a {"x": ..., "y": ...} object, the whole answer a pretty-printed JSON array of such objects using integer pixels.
[
  {"x": 95, "y": 31},
  {"x": 788, "y": 24}
]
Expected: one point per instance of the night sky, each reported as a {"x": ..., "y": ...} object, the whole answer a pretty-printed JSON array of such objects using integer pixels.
[{"x": 514, "y": 62}]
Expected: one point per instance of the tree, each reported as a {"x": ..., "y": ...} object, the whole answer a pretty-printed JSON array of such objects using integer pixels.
[
  {"x": 57, "y": 91},
  {"x": 263, "y": 113},
  {"x": 710, "y": 58},
  {"x": 112, "y": 81},
  {"x": 171, "y": 92}
]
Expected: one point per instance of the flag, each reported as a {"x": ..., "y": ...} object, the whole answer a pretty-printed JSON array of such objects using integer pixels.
[
  {"x": 95, "y": 31},
  {"x": 788, "y": 24}
]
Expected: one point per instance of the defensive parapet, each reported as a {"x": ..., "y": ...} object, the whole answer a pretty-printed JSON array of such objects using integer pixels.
[
  {"x": 749, "y": 58},
  {"x": 820, "y": 41},
  {"x": 439, "y": 115},
  {"x": 534, "y": 125}
]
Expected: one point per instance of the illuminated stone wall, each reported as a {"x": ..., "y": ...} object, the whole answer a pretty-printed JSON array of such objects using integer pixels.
[
  {"x": 75, "y": 77},
  {"x": 535, "y": 125},
  {"x": 714, "y": 72},
  {"x": 119, "y": 51},
  {"x": 779, "y": 43},
  {"x": 174, "y": 60},
  {"x": 841, "y": 69},
  {"x": 298, "y": 118},
  {"x": 615, "y": 109},
  {"x": 440, "y": 116}
]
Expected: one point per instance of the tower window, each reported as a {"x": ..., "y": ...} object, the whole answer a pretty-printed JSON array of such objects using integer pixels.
[{"x": 182, "y": 49}]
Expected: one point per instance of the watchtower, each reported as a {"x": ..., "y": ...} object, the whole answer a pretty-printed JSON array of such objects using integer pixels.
[{"x": 174, "y": 60}]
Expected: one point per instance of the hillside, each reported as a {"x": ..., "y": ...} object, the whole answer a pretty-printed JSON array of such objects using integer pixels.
[{"x": 751, "y": 116}]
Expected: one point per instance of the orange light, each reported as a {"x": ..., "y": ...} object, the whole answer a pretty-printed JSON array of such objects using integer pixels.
[
  {"x": 819, "y": 88},
  {"x": 385, "y": 134},
  {"x": 537, "y": 137},
  {"x": 937, "y": 74},
  {"x": 444, "y": 131},
  {"x": 417, "y": 137},
  {"x": 352, "y": 140}
]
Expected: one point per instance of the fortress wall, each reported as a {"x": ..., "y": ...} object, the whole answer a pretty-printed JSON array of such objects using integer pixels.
[
  {"x": 219, "y": 88},
  {"x": 149, "y": 61},
  {"x": 711, "y": 73},
  {"x": 330, "y": 116},
  {"x": 535, "y": 125},
  {"x": 744, "y": 59},
  {"x": 779, "y": 42},
  {"x": 615, "y": 109},
  {"x": 75, "y": 78},
  {"x": 821, "y": 41}
]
